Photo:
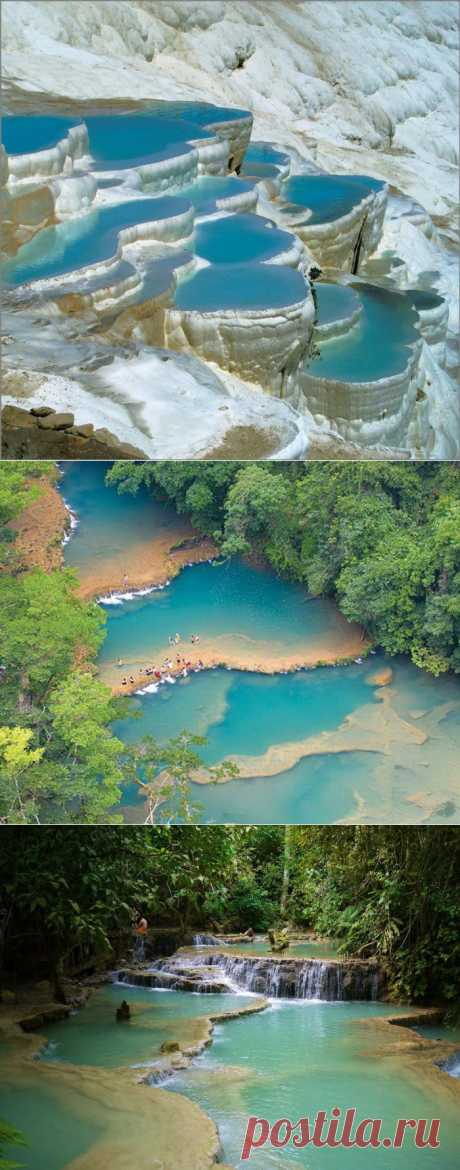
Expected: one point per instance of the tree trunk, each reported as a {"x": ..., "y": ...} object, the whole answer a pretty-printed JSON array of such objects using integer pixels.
[{"x": 286, "y": 870}]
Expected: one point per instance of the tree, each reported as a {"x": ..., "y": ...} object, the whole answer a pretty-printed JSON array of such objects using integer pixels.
[{"x": 19, "y": 776}]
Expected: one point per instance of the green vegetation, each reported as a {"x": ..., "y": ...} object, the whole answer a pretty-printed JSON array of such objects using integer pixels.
[
  {"x": 386, "y": 892},
  {"x": 9, "y": 1137},
  {"x": 382, "y": 539},
  {"x": 59, "y": 761}
]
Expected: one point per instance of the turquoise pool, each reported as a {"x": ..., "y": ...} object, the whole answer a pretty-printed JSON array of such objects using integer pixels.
[
  {"x": 300, "y": 1057},
  {"x": 93, "y": 1036},
  {"x": 328, "y": 197},
  {"x": 380, "y": 343},
  {"x": 109, "y": 525},
  {"x": 292, "y": 1060},
  {"x": 25, "y": 133},
  {"x": 241, "y": 286},
  {"x": 91, "y": 239},
  {"x": 238, "y": 239}
]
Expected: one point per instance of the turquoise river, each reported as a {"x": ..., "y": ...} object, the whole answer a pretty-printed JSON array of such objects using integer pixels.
[{"x": 312, "y": 746}]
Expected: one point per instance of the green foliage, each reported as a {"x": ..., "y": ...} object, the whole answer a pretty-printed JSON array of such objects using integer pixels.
[
  {"x": 196, "y": 488},
  {"x": 383, "y": 539},
  {"x": 392, "y": 892},
  {"x": 17, "y": 490},
  {"x": 389, "y": 892},
  {"x": 9, "y": 1137}
]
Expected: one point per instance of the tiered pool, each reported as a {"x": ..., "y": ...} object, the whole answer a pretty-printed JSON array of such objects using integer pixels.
[
  {"x": 241, "y": 286},
  {"x": 292, "y": 1060},
  {"x": 344, "y": 748},
  {"x": 380, "y": 342},
  {"x": 301, "y": 1057},
  {"x": 238, "y": 239},
  {"x": 328, "y": 197},
  {"x": 92, "y": 239}
]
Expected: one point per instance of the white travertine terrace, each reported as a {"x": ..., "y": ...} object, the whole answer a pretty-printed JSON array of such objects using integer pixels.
[
  {"x": 333, "y": 243},
  {"x": 243, "y": 201},
  {"x": 352, "y": 403},
  {"x": 56, "y": 160},
  {"x": 161, "y": 175},
  {"x": 433, "y": 327},
  {"x": 213, "y": 155},
  {"x": 260, "y": 345},
  {"x": 337, "y": 328},
  {"x": 171, "y": 230},
  {"x": 341, "y": 85},
  {"x": 236, "y": 132}
]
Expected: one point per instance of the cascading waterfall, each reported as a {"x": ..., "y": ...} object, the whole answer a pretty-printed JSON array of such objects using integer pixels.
[
  {"x": 275, "y": 978},
  {"x": 207, "y": 940},
  {"x": 139, "y": 949}
]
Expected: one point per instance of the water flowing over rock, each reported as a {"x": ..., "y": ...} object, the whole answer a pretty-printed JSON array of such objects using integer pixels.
[{"x": 277, "y": 978}]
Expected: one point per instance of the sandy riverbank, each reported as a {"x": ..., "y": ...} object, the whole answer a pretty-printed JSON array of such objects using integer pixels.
[
  {"x": 152, "y": 562},
  {"x": 236, "y": 652},
  {"x": 40, "y": 528}
]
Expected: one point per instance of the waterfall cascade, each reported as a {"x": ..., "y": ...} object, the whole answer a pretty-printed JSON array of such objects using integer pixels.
[
  {"x": 207, "y": 940},
  {"x": 351, "y": 979}
]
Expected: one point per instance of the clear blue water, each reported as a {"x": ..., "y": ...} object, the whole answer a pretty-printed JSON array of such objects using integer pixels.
[
  {"x": 335, "y": 302},
  {"x": 265, "y": 152},
  {"x": 378, "y": 346},
  {"x": 293, "y": 1059},
  {"x": 328, "y": 197},
  {"x": 300, "y": 1057},
  {"x": 93, "y": 1036},
  {"x": 55, "y": 1132},
  {"x": 131, "y": 138},
  {"x": 260, "y": 170},
  {"x": 241, "y": 286},
  {"x": 25, "y": 133},
  {"x": 297, "y": 950},
  {"x": 244, "y": 713},
  {"x": 216, "y": 601},
  {"x": 109, "y": 524},
  {"x": 208, "y": 188},
  {"x": 119, "y": 138},
  {"x": 201, "y": 113},
  {"x": 237, "y": 239},
  {"x": 88, "y": 240}
]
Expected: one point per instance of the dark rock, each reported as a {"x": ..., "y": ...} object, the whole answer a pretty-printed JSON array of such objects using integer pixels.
[
  {"x": 47, "y": 1015},
  {"x": 28, "y": 436},
  {"x": 42, "y": 411},
  {"x": 15, "y": 416},
  {"x": 56, "y": 422}
]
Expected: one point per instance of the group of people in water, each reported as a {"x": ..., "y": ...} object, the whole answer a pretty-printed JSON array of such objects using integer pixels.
[
  {"x": 179, "y": 666},
  {"x": 174, "y": 639}
]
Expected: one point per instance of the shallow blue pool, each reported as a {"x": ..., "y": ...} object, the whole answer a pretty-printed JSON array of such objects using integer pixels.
[
  {"x": 237, "y": 239},
  {"x": 264, "y": 152},
  {"x": 25, "y": 133},
  {"x": 88, "y": 240},
  {"x": 241, "y": 286},
  {"x": 335, "y": 302},
  {"x": 328, "y": 197},
  {"x": 378, "y": 346},
  {"x": 130, "y": 139},
  {"x": 209, "y": 188}
]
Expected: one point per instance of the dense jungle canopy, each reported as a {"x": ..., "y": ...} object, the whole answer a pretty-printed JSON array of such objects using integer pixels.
[{"x": 391, "y": 892}]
